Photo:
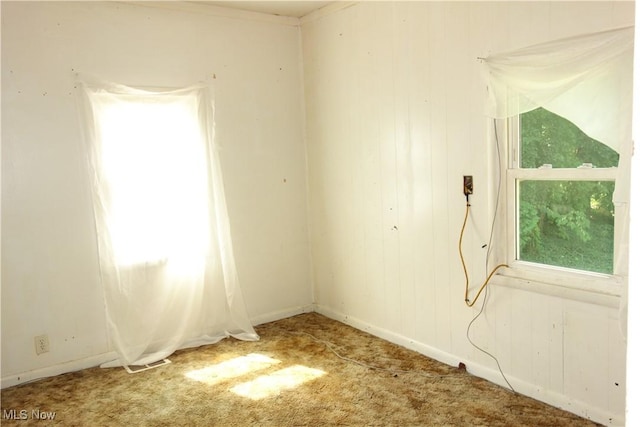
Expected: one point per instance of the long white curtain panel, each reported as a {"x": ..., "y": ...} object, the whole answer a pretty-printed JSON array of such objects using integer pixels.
[{"x": 163, "y": 236}]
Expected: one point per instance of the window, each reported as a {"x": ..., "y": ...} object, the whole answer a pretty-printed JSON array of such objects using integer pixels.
[
  {"x": 154, "y": 171},
  {"x": 561, "y": 183},
  {"x": 566, "y": 171}
]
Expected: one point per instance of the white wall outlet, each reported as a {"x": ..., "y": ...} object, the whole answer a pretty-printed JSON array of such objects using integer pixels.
[{"x": 42, "y": 344}]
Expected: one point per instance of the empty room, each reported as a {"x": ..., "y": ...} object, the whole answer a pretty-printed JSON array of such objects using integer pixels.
[{"x": 319, "y": 213}]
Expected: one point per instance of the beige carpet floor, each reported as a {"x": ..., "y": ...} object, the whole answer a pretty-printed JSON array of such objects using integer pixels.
[{"x": 306, "y": 370}]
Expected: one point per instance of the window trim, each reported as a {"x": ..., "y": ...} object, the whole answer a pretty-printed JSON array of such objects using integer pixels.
[{"x": 594, "y": 287}]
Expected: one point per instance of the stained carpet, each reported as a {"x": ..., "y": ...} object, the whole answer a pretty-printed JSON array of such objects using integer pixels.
[{"x": 306, "y": 370}]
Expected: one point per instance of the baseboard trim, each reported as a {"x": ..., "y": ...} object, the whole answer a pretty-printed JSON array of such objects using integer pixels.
[
  {"x": 522, "y": 387},
  {"x": 99, "y": 359},
  {"x": 61, "y": 368},
  {"x": 282, "y": 314}
]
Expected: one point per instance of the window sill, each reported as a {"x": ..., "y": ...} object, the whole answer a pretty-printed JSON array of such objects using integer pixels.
[{"x": 595, "y": 289}]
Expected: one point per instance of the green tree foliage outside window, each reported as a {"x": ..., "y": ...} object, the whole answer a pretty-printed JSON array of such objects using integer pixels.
[{"x": 564, "y": 223}]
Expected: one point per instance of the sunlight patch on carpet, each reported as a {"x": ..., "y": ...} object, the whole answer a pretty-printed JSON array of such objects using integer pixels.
[
  {"x": 273, "y": 384},
  {"x": 232, "y": 368}
]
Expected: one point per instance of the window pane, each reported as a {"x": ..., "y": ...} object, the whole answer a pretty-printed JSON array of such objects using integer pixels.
[
  {"x": 548, "y": 139},
  {"x": 567, "y": 224},
  {"x": 155, "y": 173}
]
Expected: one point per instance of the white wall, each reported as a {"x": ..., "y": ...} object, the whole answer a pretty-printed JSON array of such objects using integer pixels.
[
  {"x": 394, "y": 101},
  {"x": 50, "y": 277}
]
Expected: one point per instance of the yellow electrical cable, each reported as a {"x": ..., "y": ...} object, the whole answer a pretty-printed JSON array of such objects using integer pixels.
[{"x": 464, "y": 266}]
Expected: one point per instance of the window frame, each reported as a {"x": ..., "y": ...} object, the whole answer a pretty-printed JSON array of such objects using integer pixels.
[{"x": 542, "y": 277}]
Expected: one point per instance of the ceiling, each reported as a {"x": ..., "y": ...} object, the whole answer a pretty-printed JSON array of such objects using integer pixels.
[{"x": 296, "y": 9}]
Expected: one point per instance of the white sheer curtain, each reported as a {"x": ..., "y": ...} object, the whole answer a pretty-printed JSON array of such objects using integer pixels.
[
  {"x": 163, "y": 235},
  {"x": 587, "y": 79}
]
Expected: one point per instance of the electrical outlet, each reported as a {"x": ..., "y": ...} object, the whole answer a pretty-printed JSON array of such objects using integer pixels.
[
  {"x": 42, "y": 344},
  {"x": 467, "y": 184}
]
